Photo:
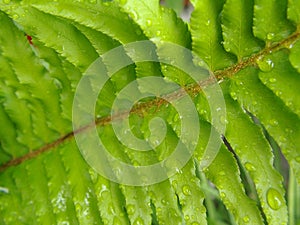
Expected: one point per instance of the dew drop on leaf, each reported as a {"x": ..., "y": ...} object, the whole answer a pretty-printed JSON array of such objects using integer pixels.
[
  {"x": 246, "y": 219},
  {"x": 134, "y": 15},
  {"x": 174, "y": 183},
  {"x": 222, "y": 194},
  {"x": 274, "y": 199},
  {"x": 186, "y": 190},
  {"x": 274, "y": 122},
  {"x": 272, "y": 80},
  {"x": 149, "y": 23},
  {"x": 195, "y": 223},
  {"x": 130, "y": 209},
  {"x": 15, "y": 16},
  {"x": 138, "y": 32},
  {"x": 202, "y": 209},
  {"x": 223, "y": 120},
  {"x": 265, "y": 64},
  {"x": 278, "y": 93},
  {"x": 164, "y": 202},
  {"x": 186, "y": 218},
  {"x": 222, "y": 173},
  {"x": 291, "y": 46},
  {"x": 270, "y": 36},
  {"x": 117, "y": 221},
  {"x": 158, "y": 209},
  {"x": 233, "y": 95},
  {"x": 249, "y": 167},
  {"x": 138, "y": 221}
]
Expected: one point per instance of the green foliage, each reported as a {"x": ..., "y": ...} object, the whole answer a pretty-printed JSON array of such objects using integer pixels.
[{"x": 253, "y": 49}]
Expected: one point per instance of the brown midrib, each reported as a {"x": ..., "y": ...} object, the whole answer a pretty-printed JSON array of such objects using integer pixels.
[{"x": 138, "y": 109}]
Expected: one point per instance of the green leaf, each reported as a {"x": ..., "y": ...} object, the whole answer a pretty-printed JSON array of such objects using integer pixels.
[
  {"x": 270, "y": 22},
  {"x": 158, "y": 22},
  {"x": 283, "y": 87},
  {"x": 282, "y": 124},
  {"x": 237, "y": 28},
  {"x": 255, "y": 154},
  {"x": 207, "y": 34},
  {"x": 294, "y": 10},
  {"x": 230, "y": 189},
  {"x": 252, "y": 53}
]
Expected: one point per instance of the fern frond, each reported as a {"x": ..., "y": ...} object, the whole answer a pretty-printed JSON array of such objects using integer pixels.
[{"x": 252, "y": 49}]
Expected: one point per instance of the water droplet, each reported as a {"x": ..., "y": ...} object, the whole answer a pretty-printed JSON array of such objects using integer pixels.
[
  {"x": 158, "y": 33},
  {"x": 278, "y": 93},
  {"x": 287, "y": 130},
  {"x": 265, "y": 64},
  {"x": 186, "y": 190},
  {"x": 222, "y": 173},
  {"x": 202, "y": 209},
  {"x": 233, "y": 95},
  {"x": 174, "y": 184},
  {"x": 246, "y": 219},
  {"x": 272, "y": 80},
  {"x": 138, "y": 32},
  {"x": 289, "y": 103},
  {"x": 223, "y": 120},
  {"x": 151, "y": 194},
  {"x": 186, "y": 218},
  {"x": 274, "y": 122},
  {"x": 138, "y": 221},
  {"x": 134, "y": 15},
  {"x": 249, "y": 167},
  {"x": 149, "y": 23},
  {"x": 274, "y": 199},
  {"x": 195, "y": 223},
  {"x": 203, "y": 112},
  {"x": 222, "y": 194},
  {"x": 282, "y": 139},
  {"x": 158, "y": 209},
  {"x": 15, "y": 16},
  {"x": 135, "y": 163},
  {"x": 270, "y": 36},
  {"x": 117, "y": 221},
  {"x": 207, "y": 22},
  {"x": 104, "y": 191},
  {"x": 164, "y": 202},
  {"x": 130, "y": 209}
]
